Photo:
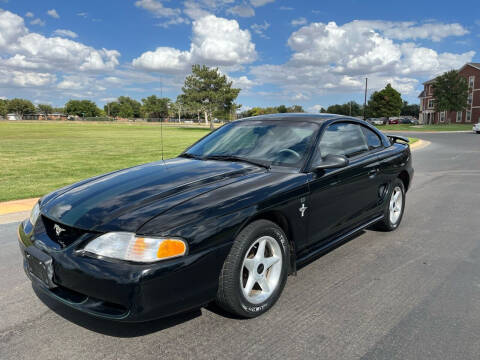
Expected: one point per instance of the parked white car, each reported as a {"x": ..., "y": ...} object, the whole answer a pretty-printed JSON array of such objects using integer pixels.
[{"x": 476, "y": 128}]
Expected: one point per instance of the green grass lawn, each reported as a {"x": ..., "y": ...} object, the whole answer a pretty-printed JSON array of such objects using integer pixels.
[
  {"x": 406, "y": 127},
  {"x": 38, "y": 157}
]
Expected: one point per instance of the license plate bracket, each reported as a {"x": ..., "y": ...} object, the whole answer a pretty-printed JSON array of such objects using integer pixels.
[{"x": 40, "y": 266}]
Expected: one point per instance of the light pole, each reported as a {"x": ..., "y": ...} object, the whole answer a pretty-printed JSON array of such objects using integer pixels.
[{"x": 365, "y": 100}]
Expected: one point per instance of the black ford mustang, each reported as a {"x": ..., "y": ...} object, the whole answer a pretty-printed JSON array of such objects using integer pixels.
[{"x": 227, "y": 220}]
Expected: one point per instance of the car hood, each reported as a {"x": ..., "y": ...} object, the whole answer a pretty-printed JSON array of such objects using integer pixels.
[{"x": 126, "y": 199}]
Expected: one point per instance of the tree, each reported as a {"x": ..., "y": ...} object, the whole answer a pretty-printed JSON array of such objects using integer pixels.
[
  {"x": 20, "y": 107},
  {"x": 112, "y": 109},
  {"x": 451, "y": 92},
  {"x": 124, "y": 107},
  {"x": 154, "y": 107},
  {"x": 45, "y": 109},
  {"x": 282, "y": 109},
  {"x": 129, "y": 107},
  {"x": 84, "y": 108},
  {"x": 3, "y": 107},
  {"x": 295, "y": 109},
  {"x": 209, "y": 89},
  {"x": 385, "y": 103},
  {"x": 410, "y": 109},
  {"x": 351, "y": 108}
]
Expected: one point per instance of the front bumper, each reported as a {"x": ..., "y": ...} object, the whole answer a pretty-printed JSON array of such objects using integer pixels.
[{"x": 126, "y": 291}]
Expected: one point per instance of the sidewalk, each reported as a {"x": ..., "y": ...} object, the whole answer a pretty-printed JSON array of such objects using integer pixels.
[{"x": 16, "y": 210}]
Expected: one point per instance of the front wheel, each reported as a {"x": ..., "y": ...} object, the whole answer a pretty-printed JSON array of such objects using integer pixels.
[
  {"x": 254, "y": 273},
  {"x": 394, "y": 207}
]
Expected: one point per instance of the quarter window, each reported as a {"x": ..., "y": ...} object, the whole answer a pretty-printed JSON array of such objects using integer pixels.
[
  {"x": 373, "y": 140},
  {"x": 341, "y": 139}
]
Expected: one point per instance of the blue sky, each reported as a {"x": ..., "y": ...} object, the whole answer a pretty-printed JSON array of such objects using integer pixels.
[{"x": 278, "y": 51}]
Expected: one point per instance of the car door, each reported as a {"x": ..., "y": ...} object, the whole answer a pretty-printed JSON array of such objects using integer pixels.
[{"x": 340, "y": 199}]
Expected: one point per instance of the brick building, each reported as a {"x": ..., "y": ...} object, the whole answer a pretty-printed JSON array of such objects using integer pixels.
[{"x": 428, "y": 115}]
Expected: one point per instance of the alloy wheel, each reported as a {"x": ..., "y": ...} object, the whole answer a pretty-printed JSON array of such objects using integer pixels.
[
  {"x": 261, "y": 270},
  {"x": 396, "y": 204}
]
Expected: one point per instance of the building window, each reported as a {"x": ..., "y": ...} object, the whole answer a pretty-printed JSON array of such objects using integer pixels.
[
  {"x": 431, "y": 103},
  {"x": 469, "y": 116},
  {"x": 459, "y": 116},
  {"x": 471, "y": 82},
  {"x": 430, "y": 89},
  {"x": 442, "y": 116},
  {"x": 470, "y": 99}
]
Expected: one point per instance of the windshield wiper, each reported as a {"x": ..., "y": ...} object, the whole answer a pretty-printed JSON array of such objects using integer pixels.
[
  {"x": 264, "y": 164},
  {"x": 190, "y": 156}
]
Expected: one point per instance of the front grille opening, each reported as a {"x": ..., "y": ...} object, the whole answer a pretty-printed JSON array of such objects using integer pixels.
[
  {"x": 61, "y": 235},
  {"x": 88, "y": 303}
]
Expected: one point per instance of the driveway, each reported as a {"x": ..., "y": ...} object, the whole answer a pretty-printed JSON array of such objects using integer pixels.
[{"x": 410, "y": 294}]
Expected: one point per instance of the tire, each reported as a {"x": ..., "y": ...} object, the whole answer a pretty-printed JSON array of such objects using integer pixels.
[
  {"x": 391, "y": 222},
  {"x": 268, "y": 272}
]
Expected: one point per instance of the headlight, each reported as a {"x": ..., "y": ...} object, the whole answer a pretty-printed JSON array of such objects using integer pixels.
[
  {"x": 128, "y": 246},
  {"x": 34, "y": 214}
]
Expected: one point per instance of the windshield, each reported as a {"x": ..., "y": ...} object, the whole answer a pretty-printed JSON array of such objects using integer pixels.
[{"x": 276, "y": 142}]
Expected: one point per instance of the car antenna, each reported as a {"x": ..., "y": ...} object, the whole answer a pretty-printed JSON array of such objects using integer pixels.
[{"x": 161, "y": 137}]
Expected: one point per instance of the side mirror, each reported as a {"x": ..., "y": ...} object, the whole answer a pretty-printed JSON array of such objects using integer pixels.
[{"x": 332, "y": 162}]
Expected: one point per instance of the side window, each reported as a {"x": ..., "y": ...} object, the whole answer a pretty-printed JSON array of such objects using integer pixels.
[
  {"x": 341, "y": 139},
  {"x": 373, "y": 140}
]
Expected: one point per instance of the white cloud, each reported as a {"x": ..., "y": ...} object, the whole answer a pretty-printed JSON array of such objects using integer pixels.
[
  {"x": 333, "y": 58},
  {"x": 286, "y": 8},
  {"x": 16, "y": 78},
  {"x": 157, "y": 8},
  {"x": 194, "y": 10},
  {"x": 53, "y": 13},
  {"x": 160, "y": 11},
  {"x": 242, "y": 82},
  {"x": 29, "y": 14},
  {"x": 82, "y": 14},
  {"x": 32, "y": 50},
  {"x": 216, "y": 41},
  {"x": 258, "y": 3},
  {"x": 405, "y": 30},
  {"x": 242, "y": 10},
  {"x": 174, "y": 21},
  {"x": 65, "y": 33},
  {"x": 299, "y": 21},
  {"x": 260, "y": 29},
  {"x": 315, "y": 108},
  {"x": 164, "y": 59},
  {"x": 37, "y": 22},
  {"x": 79, "y": 82}
]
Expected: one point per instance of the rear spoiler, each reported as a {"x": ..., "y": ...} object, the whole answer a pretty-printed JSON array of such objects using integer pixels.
[{"x": 395, "y": 139}]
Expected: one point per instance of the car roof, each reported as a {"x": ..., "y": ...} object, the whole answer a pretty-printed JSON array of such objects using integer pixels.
[{"x": 318, "y": 118}]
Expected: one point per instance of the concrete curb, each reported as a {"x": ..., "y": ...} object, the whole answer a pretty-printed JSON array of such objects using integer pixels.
[
  {"x": 14, "y": 206},
  {"x": 420, "y": 144},
  {"x": 427, "y": 132}
]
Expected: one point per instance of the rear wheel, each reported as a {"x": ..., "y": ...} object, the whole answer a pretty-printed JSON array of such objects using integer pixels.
[
  {"x": 254, "y": 273},
  {"x": 394, "y": 207}
]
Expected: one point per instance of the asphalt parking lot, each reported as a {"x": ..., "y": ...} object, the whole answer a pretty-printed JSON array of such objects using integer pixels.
[{"x": 411, "y": 294}]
